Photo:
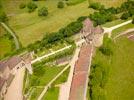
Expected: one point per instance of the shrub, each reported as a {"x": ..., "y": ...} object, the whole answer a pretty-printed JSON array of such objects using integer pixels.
[
  {"x": 96, "y": 6},
  {"x": 22, "y": 5},
  {"x": 43, "y": 11},
  {"x": 31, "y": 6},
  {"x": 105, "y": 50},
  {"x": 125, "y": 16},
  {"x": 3, "y": 17},
  {"x": 60, "y": 4},
  {"x": 133, "y": 21}
]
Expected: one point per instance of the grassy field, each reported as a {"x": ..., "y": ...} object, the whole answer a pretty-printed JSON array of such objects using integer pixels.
[
  {"x": 116, "y": 22},
  {"x": 6, "y": 44},
  {"x": 62, "y": 78},
  {"x": 122, "y": 29},
  {"x": 74, "y": 2},
  {"x": 30, "y": 27},
  {"x": 51, "y": 94},
  {"x": 109, "y": 3},
  {"x": 119, "y": 85}
]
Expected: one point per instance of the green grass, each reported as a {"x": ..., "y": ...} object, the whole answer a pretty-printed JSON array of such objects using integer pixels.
[
  {"x": 36, "y": 93},
  {"x": 74, "y": 2},
  {"x": 122, "y": 29},
  {"x": 119, "y": 85},
  {"x": 113, "y": 23},
  {"x": 44, "y": 75},
  {"x": 109, "y": 3},
  {"x": 5, "y": 46},
  {"x": 30, "y": 27},
  {"x": 41, "y": 76},
  {"x": 51, "y": 94},
  {"x": 62, "y": 78}
]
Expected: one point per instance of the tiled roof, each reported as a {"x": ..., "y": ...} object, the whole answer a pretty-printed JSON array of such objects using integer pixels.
[
  {"x": 88, "y": 28},
  {"x": 80, "y": 77},
  {"x": 11, "y": 63}
]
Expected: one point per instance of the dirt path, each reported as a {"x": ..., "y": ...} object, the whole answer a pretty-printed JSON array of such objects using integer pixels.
[
  {"x": 14, "y": 91},
  {"x": 50, "y": 54},
  {"x": 109, "y": 30},
  {"x": 13, "y": 34},
  {"x": 123, "y": 33},
  {"x": 65, "y": 88},
  {"x": 49, "y": 84}
]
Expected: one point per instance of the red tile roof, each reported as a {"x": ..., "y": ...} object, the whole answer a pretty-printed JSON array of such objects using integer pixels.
[
  {"x": 80, "y": 77},
  {"x": 88, "y": 28}
]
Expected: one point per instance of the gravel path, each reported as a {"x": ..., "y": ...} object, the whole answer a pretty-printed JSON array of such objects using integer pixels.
[
  {"x": 13, "y": 34},
  {"x": 14, "y": 91}
]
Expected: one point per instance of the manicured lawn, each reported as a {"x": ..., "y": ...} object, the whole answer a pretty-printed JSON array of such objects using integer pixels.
[
  {"x": 51, "y": 94},
  {"x": 62, "y": 78},
  {"x": 43, "y": 74},
  {"x": 74, "y": 2},
  {"x": 5, "y": 46},
  {"x": 122, "y": 29},
  {"x": 109, "y": 3},
  {"x": 36, "y": 92},
  {"x": 30, "y": 27},
  {"x": 113, "y": 23},
  {"x": 119, "y": 85}
]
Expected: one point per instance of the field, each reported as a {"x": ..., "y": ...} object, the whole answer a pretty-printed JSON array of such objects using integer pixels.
[
  {"x": 51, "y": 94},
  {"x": 116, "y": 22},
  {"x": 109, "y": 3},
  {"x": 122, "y": 29},
  {"x": 6, "y": 44},
  {"x": 30, "y": 27},
  {"x": 119, "y": 85}
]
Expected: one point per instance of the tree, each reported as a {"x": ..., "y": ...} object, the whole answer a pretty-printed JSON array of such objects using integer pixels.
[
  {"x": 60, "y": 4},
  {"x": 125, "y": 16},
  {"x": 133, "y": 21},
  {"x": 3, "y": 17},
  {"x": 43, "y": 11},
  {"x": 22, "y": 5},
  {"x": 96, "y": 6},
  {"x": 31, "y": 6}
]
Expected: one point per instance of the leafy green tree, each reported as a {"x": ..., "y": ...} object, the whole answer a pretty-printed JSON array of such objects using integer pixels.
[
  {"x": 43, "y": 11},
  {"x": 31, "y": 6},
  {"x": 60, "y": 4},
  {"x": 125, "y": 16},
  {"x": 22, "y": 5},
  {"x": 3, "y": 17},
  {"x": 133, "y": 21},
  {"x": 96, "y": 6}
]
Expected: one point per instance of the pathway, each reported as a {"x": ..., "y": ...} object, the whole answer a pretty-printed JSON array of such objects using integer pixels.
[
  {"x": 12, "y": 33},
  {"x": 49, "y": 84},
  {"x": 109, "y": 30},
  {"x": 50, "y": 54},
  {"x": 14, "y": 91},
  {"x": 65, "y": 88},
  {"x": 123, "y": 33}
]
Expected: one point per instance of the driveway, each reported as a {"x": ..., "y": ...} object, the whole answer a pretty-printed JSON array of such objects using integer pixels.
[{"x": 14, "y": 91}]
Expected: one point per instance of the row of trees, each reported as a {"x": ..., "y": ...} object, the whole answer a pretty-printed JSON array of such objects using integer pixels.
[
  {"x": 32, "y": 6},
  {"x": 62, "y": 34},
  {"x": 105, "y": 15},
  {"x": 100, "y": 71},
  {"x": 3, "y": 16}
]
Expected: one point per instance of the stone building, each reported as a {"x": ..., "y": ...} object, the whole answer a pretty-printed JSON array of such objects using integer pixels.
[
  {"x": 89, "y": 32},
  {"x": 8, "y": 69}
]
